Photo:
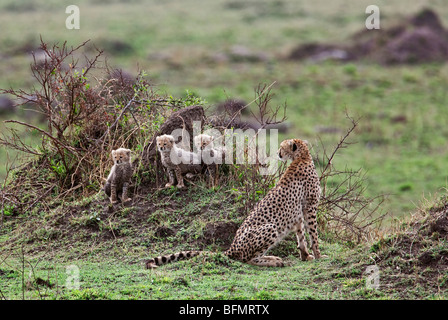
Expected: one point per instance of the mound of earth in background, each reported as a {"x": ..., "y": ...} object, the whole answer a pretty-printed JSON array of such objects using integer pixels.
[{"x": 418, "y": 39}]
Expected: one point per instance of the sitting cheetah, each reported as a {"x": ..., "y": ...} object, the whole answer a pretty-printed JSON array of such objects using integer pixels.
[
  {"x": 283, "y": 210},
  {"x": 178, "y": 160},
  {"x": 117, "y": 182}
]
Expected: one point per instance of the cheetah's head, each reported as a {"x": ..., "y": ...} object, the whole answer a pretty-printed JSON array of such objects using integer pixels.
[
  {"x": 292, "y": 149},
  {"x": 165, "y": 142},
  {"x": 202, "y": 141},
  {"x": 121, "y": 155}
]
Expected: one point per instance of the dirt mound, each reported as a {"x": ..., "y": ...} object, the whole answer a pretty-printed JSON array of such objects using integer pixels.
[
  {"x": 418, "y": 39},
  {"x": 231, "y": 106},
  {"x": 164, "y": 231},
  {"x": 438, "y": 225},
  {"x": 418, "y": 255},
  {"x": 427, "y": 18},
  {"x": 420, "y": 45},
  {"x": 220, "y": 232},
  {"x": 6, "y": 105}
]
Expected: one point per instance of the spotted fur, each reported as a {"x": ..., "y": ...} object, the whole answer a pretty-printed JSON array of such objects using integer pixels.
[
  {"x": 117, "y": 182},
  {"x": 211, "y": 156},
  {"x": 177, "y": 161},
  {"x": 289, "y": 207}
]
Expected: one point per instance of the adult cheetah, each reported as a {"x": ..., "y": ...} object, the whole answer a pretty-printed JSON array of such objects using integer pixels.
[{"x": 287, "y": 207}]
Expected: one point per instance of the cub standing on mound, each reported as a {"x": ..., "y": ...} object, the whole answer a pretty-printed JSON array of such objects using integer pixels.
[
  {"x": 211, "y": 155},
  {"x": 120, "y": 176},
  {"x": 283, "y": 210},
  {"x": 204, "y": 142},
  {"x": 178, "y": 160}
]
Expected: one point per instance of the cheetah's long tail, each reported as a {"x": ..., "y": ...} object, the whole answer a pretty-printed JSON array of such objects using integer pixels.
[{"x": 161, "y": 260}]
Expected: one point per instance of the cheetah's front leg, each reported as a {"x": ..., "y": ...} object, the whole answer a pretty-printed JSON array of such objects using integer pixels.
[
  {"x": 309, "y": 213},
  {"x": 301, "y": 242},
  {"x": 113, "y": 193},
  {"x": 170, "y": 178},
  {"x": 180, "y": 179},
  {"x": 212, "y": 175},
  {"x": 124, "y": 197},
  {"x": 216, "y": 176}
]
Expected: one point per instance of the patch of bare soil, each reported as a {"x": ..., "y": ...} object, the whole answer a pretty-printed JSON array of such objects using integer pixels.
[
  {"x": 220, "y": 233},
  {"x": 419, "y": 39}
]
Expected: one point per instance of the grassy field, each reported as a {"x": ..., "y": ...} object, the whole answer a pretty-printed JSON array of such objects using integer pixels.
[
  {"x": 108, "y": 251},
  {"x": 210, "y": 277},
  {"x": 401, "y": 141}
]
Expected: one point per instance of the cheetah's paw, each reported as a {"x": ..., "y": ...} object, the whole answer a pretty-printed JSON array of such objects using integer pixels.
[{"x": 310, "y": 257}]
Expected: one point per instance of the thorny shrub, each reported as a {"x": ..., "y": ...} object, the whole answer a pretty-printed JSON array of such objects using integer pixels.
[{"x": 88, "y": 109}]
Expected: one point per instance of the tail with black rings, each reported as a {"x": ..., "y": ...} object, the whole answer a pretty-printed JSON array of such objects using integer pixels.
[{"x": 161, "y": 260}]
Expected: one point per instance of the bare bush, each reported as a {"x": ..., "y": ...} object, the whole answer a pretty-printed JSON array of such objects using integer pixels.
[
  {"x": 245, "y": 178},
  {"x": 345, "y": 213},
  {"x": 89, "y": 109}
]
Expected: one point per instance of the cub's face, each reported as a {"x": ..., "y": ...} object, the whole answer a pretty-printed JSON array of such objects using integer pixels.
[
  {"x": 165, "y": 142},
  {"x": 202, "y": 141},
  {"x": 291, "y": 149},
  {"x": 121, "y": 155}
]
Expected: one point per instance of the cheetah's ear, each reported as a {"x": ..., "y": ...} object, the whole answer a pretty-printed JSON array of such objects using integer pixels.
[
  {"x": 113, "y": 152},
  {"x": 128, "y": 152},
  {"x": 294, "y": 147}
]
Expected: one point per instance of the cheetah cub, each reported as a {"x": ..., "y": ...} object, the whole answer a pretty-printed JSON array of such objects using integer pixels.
[
  {"x": 210, "y": 153},
  {"x": 178, "y": 161},
  {"x": 212, "y": 156},
  {"x": 117, "y": 182}
]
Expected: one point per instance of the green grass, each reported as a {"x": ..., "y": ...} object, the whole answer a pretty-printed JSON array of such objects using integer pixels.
[
  {"x": 214, "y": 277},
  {"x": 210, "y": 277},
  {"x": 44, "y": 250}
]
